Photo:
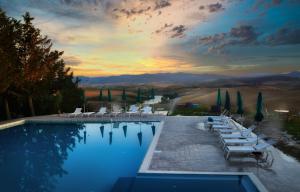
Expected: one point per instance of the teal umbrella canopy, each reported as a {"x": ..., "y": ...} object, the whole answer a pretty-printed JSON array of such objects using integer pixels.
[
  {"x": 109, "y": 95},
  {"x": 138, "y": 96},
  {"x": 240, "y": 109},
  {"x": 259, "y": 105},
  {"x": 219, "y": 98},
  {"x": 227, "y": 105},
  {"x": 100, "y": 95},
  {"x": 152, "y": 94},
  {"x": 124, "y": 96}
]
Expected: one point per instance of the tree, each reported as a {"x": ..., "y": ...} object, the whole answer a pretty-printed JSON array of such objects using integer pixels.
[
  {"x": 35, "y": 55},
  {"x": 227, "y": 104},
  {"x": 32, "y": 74},
  {"x": 9, "y": 64}
]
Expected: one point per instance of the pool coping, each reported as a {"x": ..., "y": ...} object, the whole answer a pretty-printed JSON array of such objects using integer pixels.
[
  {"x": 13, "y": 123},
  {"x": 144, "y": 167}
]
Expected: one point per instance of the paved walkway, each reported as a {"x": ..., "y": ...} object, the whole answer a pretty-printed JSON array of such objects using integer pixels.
[{"x": 185, "y": 145}]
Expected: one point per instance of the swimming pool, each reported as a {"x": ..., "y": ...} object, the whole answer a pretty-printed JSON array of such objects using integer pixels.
[{"x": 71, "y": 157}]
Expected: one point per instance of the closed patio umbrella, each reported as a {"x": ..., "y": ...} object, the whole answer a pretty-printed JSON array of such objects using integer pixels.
[
  {"x": 259, "y": 105},
  {"x": 240, "y": 109},
  {"x": 219, "y": 100},
  {"x": 138, "y": 96},
  {"x": 227, "y": 104},
  {"x": 109, "y": 95}
]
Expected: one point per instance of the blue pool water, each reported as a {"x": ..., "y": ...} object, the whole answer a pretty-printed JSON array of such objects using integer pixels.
[{"x": 71, "y": 157}]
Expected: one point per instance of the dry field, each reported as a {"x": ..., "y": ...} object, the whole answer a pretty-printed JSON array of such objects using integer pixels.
[{"x": 274, "y": 97}]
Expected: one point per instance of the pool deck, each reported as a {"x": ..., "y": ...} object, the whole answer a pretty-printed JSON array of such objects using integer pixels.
[
  {"x": 185, "y": 145},
  {"x": 80, "y": 119}
]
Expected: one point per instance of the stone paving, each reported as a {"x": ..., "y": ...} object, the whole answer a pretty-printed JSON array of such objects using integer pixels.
[{"x": 186, "y": 145}]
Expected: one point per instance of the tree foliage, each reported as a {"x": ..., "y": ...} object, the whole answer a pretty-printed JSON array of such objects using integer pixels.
[{"x": 33, "y": 76}]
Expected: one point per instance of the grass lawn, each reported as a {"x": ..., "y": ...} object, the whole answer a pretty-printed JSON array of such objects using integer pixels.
[
  {"x": 293, "y": 127},
  {"x": 201, "y": 111}
]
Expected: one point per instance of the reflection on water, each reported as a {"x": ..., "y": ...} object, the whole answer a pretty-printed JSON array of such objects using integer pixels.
[
  {"x": 50, "y": 157},
  {"x": 125, "y": 130}
]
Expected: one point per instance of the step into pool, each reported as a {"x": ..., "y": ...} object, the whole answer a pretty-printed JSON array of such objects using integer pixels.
[
  {"x": 72, "y": 157},
  {"x": 150, "y": 182}
]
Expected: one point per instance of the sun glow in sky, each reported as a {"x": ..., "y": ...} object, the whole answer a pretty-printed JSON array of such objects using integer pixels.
[{"x": 113, "y": 37}]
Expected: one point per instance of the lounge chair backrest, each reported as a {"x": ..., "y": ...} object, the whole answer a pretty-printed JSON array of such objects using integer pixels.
[
  {"x": 261, "y": 146},
  {"x": 147, "y": 108},
  {"x": 252, "y": 127},
  {"x": 246, "y": 132},
  {"x": 252, "y": 139},
  {"x": 102, "y": 110},
  {"x": 78, "y": 110},
  {"x": 133, "y": 108}
]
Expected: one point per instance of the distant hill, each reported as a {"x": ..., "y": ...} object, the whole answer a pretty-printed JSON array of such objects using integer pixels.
[
  {"x": 295, "y": 74},
  {"x": 190, "y": 79},
  {"x": 159, "y": 78}
]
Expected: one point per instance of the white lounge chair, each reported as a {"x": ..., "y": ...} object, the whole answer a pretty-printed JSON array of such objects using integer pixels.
[
  {"x": 87, "y": 114},
  {"x": 224, "y": 126},
  {"x": 116, "y": 110},
  {"x": 102, "y": 111},
  {"x": 75, "y": 113},
  {"x": 133, "y": 109},
  {"x": 261, "y": 147},
  {"x": 147, "y": 110},
  {"x": 247, "y": 141},
  {"x": 243, "y": 134},
  {"x": 234, "y": 130}
]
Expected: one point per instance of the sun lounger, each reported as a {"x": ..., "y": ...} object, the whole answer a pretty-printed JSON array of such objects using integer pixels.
[
  {"x": 75, "y": 113},
  {"x": 133, "y": 109},
  {"x": 102, "y": 111},
  {"x": 116, "y": 110},
  {"x": 146, "y": 110},
  {"x": 87, "y": 114},
  {"x": 261, "y": 147},
  {"x": 225, "y": 126},
  {"x": 243, "y": 134},
  {"x": 247, "y": 141},
  {"x": 234, "y": 130}
]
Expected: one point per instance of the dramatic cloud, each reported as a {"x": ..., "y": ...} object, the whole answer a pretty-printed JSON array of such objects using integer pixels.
[
  {"x": 112, "y": 37},
  {"x": 215, "y": 7},
  {"x": 241, "y": 35},
  {"x": 159, "y": 4},
  {"x": 72, "y": 60},
  {"x": 178, "y": 31},
  {"x": 284, "y": 36},
  {"x": 244, "y": 34}
]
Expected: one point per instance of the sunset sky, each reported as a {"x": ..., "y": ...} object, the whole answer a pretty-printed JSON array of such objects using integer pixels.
[{"x": 113, "y": 37}]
